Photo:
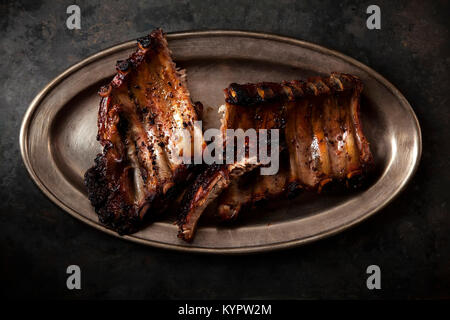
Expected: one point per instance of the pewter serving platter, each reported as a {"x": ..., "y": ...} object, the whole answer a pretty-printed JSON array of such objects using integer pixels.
[{"x": 58, "y": 138}]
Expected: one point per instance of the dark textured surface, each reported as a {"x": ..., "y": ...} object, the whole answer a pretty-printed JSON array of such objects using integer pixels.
[{"x": 409, "y": 240}]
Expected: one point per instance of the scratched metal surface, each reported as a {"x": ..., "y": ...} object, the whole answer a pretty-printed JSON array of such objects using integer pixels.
[{"x": 409, "y": 238}]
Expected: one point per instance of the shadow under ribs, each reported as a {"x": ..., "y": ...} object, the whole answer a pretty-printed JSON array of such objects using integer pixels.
[
  {"x": 320, "y": 129},
  {"x": 142, "y": 114}
]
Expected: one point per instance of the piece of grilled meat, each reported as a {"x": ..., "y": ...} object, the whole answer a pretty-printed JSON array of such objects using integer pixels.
[
  {"x": 206, "y": 188},
  {"x": 321, "y": 128},
  {"x": 210, "y": 184},
  {"x": 141, "y": 118},
  {"x": 248, "y": 190},
  {"x": 324, "y": 139}
]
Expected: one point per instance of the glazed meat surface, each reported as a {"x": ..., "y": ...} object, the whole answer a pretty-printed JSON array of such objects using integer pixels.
[
  {"x": 248, "y": 190},
  {"x": 320, "y": 129},
  {"x": 142, "y": 116},
  {"x": 210, "y": 184}
]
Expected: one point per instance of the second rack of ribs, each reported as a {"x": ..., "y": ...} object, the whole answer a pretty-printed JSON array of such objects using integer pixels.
[{"x": 320, "y": 129}]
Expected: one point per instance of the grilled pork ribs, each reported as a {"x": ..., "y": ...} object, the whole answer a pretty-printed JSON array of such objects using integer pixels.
[
  {"x": 142, "y": 115},
  {"x": 320, "y": 130},
  {"x": 322, "y": 134},
  {"x": 146, "y": 107}
]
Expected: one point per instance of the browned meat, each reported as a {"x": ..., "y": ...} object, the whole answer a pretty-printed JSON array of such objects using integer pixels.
[
  {"x": 248, "y": 190},
  {"x": 210, "y": 184},
  {"x": 325, "y": 143},
  {"x": 142, "y": 115},
  {"x": 324, "y": 135},
  {"x": 206, "y": 188},
  {"x": 320, "y": 127}
]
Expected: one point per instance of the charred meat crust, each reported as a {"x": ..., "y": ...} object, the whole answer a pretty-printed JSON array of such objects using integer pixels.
[
  {"x": 206, "y": 188},
  {"x": 141, "y": 113},
  {"x": 254, "y": 94},
  {"x": 319, "y": 120},
  {"x": 199, "y": 189},
  {"x": 107, "y": 203},
  {"x": 306, "y": 103}
]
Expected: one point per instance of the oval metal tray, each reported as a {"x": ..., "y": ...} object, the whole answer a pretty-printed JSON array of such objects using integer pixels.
[{"x": 58, "y": 133}]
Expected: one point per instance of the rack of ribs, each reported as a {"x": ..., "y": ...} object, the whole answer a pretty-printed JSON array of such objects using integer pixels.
[
  {"x": 143, "y": 113},
  {"x": 320, "y": 129}
]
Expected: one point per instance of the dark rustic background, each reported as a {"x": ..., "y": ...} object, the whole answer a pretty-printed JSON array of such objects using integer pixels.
[{"x": 409, "y": 240}]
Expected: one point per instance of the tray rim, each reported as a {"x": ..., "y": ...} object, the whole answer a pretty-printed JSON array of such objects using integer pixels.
[{"x": 33, "y": 106}]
